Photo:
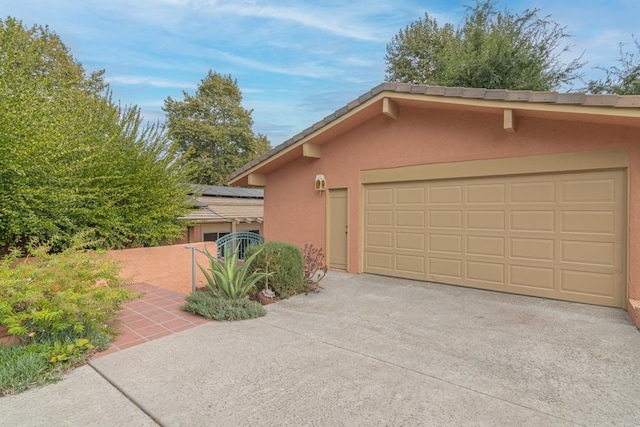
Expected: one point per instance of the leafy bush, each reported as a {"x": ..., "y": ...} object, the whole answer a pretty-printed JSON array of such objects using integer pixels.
[
  {"x": 215, "y": 307},
  {"x": 60, "y": 297},
  {"x": 71, "y": 158},
  {"x": 61, "y": 307},
  {"x": 227, "y": 279},
  {"x": 285, "y": 261}
]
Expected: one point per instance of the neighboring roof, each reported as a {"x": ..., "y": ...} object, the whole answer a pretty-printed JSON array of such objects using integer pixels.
[
  {"x": 213, "y": 209},
  {"x": 220, "y": 191},
  {"x": 367, "y": 106}
]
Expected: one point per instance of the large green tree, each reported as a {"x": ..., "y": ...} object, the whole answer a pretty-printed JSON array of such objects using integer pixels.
[
  {"x": 491, "y": 48},
  {"x": 71, "y": 160},
  {"x": 213, "y": 130},
  {"x": 622, "y": 78}
]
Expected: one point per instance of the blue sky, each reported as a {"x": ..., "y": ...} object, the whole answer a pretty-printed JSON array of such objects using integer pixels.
[{"x": 295, "y": 61}]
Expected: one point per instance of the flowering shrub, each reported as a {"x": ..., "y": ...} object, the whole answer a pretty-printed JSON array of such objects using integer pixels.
[
  {"x": 67, "y": 296},
  {"x": 315, "y": 267},
  {"x": 60, "y": 307}
]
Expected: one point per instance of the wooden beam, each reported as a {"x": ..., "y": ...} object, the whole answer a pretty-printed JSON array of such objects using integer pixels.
[
  {"x": 311, "y": 150},
  {"x": 509, "y": 123},
  {"x": 257, "y": 179},
  {"x": 390, "y": 108}
]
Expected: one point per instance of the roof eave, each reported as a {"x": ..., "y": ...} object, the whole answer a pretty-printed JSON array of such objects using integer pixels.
[{"x": 366, "y": 107}]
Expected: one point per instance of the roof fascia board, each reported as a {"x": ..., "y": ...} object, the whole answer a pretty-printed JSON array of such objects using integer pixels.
[
  {"x": 520, "y": 105},
  {"x": 393, "y": 96}
]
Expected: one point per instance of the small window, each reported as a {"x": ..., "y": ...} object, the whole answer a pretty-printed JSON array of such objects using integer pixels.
[{"x": 212, "y": 237}]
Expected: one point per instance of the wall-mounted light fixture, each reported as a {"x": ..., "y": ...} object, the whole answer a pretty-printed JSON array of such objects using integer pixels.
[{"x": 321, "y": 183}]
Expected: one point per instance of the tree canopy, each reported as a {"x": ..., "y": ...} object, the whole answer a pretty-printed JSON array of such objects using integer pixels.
[
  {"x": 491, "y": 48},
  {"x": 71, "y": 160},
  {"x": 213, "y": 130},
  {"x": 623, "y": 78}
]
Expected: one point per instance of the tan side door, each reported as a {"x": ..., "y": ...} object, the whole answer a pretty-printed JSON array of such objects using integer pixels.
[{"x": 338, "y": 228}]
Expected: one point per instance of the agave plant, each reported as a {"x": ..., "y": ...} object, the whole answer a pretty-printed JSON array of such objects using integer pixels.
[{"x": 229, "y": 279}]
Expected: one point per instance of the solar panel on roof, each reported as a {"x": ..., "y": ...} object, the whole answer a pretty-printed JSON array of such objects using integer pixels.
[{"x": 221, "y": 191}]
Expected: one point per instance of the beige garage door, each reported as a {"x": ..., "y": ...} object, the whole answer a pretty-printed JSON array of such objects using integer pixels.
[{"x": 559, "y": 236}]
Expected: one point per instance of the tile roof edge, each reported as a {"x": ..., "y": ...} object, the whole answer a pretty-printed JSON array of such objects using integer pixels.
[{"x": 507, "y": 95}]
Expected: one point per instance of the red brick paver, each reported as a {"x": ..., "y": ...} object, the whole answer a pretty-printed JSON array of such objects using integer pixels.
[{"x": 156, "y": 314}]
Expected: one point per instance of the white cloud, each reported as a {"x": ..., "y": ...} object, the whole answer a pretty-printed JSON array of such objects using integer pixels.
[
  {"x": 149, "y": 81},
  {"x": 298, "y": 69},
  {"x": 334, "y": 20}
]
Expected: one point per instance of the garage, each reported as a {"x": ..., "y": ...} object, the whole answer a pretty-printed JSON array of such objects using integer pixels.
[
  {"x": 554, "y": 235},
  {"x": 531, "y": 193}
]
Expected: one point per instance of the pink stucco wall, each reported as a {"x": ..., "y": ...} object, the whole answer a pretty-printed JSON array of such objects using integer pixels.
[
  {"x": 169, "y": 267},
  {"x": 294, "y": 212}
]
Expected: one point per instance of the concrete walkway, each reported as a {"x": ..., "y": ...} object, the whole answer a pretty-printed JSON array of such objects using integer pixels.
[{"x": 366, "y": 350}]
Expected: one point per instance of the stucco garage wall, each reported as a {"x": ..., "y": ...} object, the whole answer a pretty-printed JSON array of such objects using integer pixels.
[{"x": 294, "y": 212}]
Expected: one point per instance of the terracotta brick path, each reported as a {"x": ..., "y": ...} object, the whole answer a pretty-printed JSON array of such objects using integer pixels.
[{"x": 155, "y": 315}]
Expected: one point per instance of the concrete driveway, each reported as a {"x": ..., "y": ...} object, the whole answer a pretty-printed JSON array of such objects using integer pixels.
[{"x": 366, "y": 350}]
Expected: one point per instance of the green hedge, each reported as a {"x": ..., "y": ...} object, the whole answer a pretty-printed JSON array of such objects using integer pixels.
[{"x": 286, "y": 262}]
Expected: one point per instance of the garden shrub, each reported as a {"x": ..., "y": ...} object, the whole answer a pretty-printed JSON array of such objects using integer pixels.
[
  {"x": 285, "y": 261},
  {"x": 63, "y": 297},
  {"x": 315, "y": 267},
  {"x": 213, "y": 307},
  {"x": 229, "y": 278},
  {"x": 61, "y": 306}
]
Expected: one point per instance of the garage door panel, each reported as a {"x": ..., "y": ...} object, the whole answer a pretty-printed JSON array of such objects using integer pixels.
[
  {"x": 532, "y": 277},
  {"x": 532, "y": 249},
  {"x": 379, "y": 239},
  {"x": 486, "y": 194},
  {"x": 447, "y": 243},
  {"x": 485, "y": 220},
  {"x": 557, "y": 235},
  {"x": 589, "y": 191},
  {"x": 445, "y": 194},
  {"x": 588, "y": 222},
  {"x": 410, "y": 241},
  {"x": 541, "y": 192},
  {"x": 410, "y": 263},
  {"x": 379, "y": 261},
  {"x": 488, "y": 272},
  {"x": 590, "y": 253},
  {"x": 410, "y": 219},
  {"x": 533, "y": 221},
  {"x": 379, "y": 218},
  {"x": 445, "y": 267},
  {"x": 445, "y": 219},
  {"x": 587, "y": 283},
  {"x": 410, "y": 196},
  {"x": 380, "y": 197},
  {"x": 486, "y": 246}
]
